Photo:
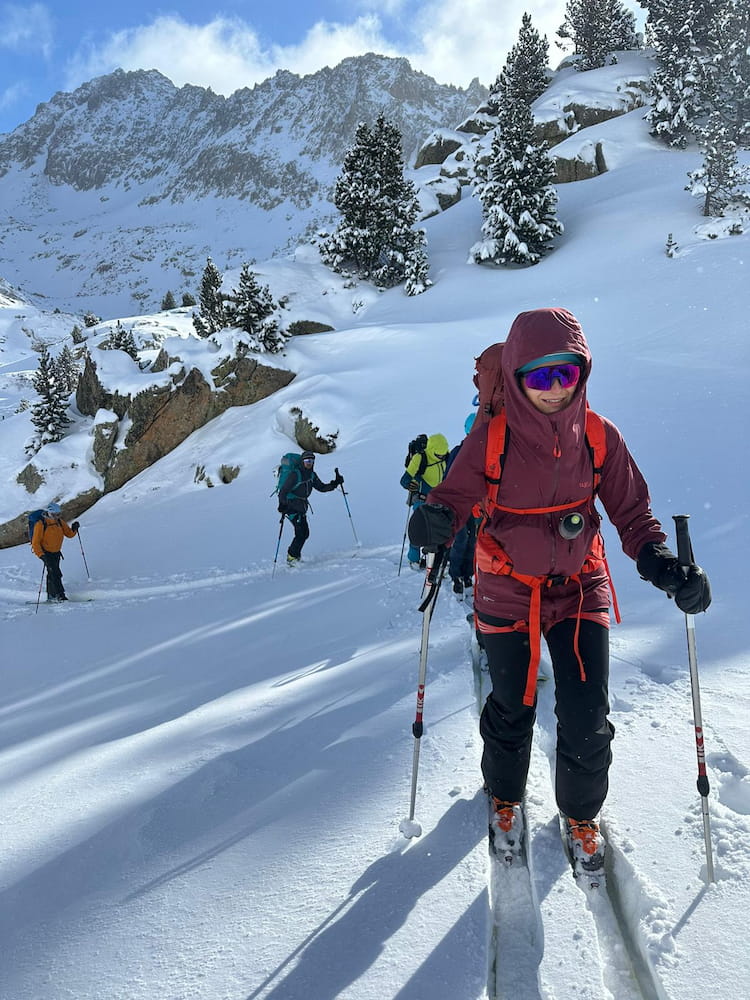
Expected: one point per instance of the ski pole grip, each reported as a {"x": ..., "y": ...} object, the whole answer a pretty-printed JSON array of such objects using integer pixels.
[{"x": 684, "y": 546}]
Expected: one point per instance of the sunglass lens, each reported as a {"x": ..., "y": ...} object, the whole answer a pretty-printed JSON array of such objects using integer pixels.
[{"x": 542, "y": 379}]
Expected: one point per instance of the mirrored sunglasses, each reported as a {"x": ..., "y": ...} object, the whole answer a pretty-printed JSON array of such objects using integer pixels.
[
  {"x": 542, "y": 379},
  {"x": 308, "y": 461}
]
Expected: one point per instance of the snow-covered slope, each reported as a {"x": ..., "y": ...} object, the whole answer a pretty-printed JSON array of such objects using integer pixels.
[{"x": 203, "y": 770}]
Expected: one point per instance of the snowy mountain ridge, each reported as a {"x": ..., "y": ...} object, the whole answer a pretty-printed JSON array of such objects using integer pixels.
[{"x": 130, "y": 170}]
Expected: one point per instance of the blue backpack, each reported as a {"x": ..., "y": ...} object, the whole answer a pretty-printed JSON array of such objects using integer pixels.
[
  {"x": 34, "y": 516},
  {"x": 289, "y": 472}
]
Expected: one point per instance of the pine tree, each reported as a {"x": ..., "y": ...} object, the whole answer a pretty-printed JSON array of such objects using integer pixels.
[
  {"x": 212, "y": 314},
  {"x": 417, "y": 277},
  {"x": 379, "y": 207},
  {"x": 597, "y": 28},
  {"x": 518, "y": 199},
  {"x": 49, "y": 414},
  {"x": 187, "y": 299},
  {"x": 732, "y": 84},
  {"x": 168, "y": 302},
  {"x": 525, "y": 74},
  {"x": 251, "y": 308},
  {"x": 681, "y": 83},
  {"x": 122, "y": 340},
  {"x": 67, "y": 370},
  {"x": 720, "y": 180}
]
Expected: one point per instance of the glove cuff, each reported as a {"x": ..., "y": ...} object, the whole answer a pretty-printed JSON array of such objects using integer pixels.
[{"x": 658, "y": 564}]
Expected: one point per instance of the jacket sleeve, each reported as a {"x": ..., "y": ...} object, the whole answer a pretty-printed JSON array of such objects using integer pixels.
[
  {"x": 67, "y": 530},
  {"x": 36, "y": 539},
  {"x": 624, "y": 494},
  {"x": 322, "y": 487}
]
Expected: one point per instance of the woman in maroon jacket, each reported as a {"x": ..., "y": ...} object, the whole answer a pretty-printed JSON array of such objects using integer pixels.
[{"x": 541, "y": 570}]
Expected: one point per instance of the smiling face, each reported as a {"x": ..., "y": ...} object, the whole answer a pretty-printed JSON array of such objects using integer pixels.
[{"x": 562, "y": 381}]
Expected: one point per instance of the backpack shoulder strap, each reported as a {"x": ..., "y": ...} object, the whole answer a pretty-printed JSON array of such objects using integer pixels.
[
  {"x": 422, "y": 465},
  {"x": 596, "y": 442},
  {"x": 497, "y": 442}
]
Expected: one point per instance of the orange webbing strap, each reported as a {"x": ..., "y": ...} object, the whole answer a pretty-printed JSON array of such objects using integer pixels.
[
  {"x": 539, "y": 510},
  {"x": 615, "y": 605}
]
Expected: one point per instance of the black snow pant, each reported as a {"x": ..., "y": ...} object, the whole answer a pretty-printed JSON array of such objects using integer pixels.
[
  {"x": 301, "y": 534},
  {"x": 55, "y": 589},
  {"x": 584, "y": 732}
]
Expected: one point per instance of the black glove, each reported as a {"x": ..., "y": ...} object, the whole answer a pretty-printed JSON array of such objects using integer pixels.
[
  {"x": 431, "y": 525},
  {"x": 339, "y": 480},
  {"x": 283, "y": 507},
  {"x": 690, "y": 588},
  {"x": 75, "y": 525},
  {"x": 413, "y": 486}
]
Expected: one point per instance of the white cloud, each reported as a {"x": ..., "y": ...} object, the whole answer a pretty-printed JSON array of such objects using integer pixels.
[
  {"x": 451, "y": 42},
  {"x": 11, "y": 95},
  {"x": 224, "y": 54},
  {"x": 26, "y": 28},
  {"x": 460, "y": 41}
]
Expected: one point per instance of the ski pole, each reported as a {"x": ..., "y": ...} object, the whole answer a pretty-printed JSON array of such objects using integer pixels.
[
  {"x": 435, "y": 570},
  {"x": 409, "y": 498},
  {"x": 278, "y": 544},
  {"x": 78, "y": 532},
  {"x": 344, "y": 494},
  {"x": 39, "y": 595},
  {"x": 686, "y": 559}
]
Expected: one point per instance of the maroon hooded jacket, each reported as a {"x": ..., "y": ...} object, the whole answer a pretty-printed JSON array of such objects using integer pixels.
[{"x": 547, "y": 463}]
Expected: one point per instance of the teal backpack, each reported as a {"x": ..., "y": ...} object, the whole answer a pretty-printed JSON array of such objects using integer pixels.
[{"x": 289, "y": 472}]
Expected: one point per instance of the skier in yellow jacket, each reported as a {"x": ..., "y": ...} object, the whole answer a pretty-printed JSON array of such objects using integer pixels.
[
  {"x": 46, "y": 543},
  {"x": 424, "y": 470}
]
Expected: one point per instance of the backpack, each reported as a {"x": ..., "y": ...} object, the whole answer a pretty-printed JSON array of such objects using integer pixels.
[
  {"x": 417, "y": 447},
  {"x": 289, "y": 471},
  {"x": 488, "y": 379},
  {"x": 34, "y": 516}
]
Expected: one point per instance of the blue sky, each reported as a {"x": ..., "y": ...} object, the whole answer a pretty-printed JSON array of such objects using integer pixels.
[{"x": 47, "y": 47}]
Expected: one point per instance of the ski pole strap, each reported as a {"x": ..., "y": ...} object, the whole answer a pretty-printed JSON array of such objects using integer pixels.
[{"x": 435, "y": 577}]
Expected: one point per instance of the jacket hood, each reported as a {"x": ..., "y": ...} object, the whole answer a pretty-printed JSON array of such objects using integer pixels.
[
  {"x": 543, "y": 331},
  {"x": 437, "y": 445},
  {"x": 533, "y": 335}
]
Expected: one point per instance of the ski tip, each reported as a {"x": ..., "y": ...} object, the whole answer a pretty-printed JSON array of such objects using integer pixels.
[{"x": 410, "y": 829}]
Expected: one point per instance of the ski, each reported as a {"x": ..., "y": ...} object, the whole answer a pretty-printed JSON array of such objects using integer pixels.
[
  {"x": 516, "y": 936},
  {"x": 58, "y": 604}
]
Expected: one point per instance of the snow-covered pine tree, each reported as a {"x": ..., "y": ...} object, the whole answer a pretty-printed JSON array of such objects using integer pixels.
[
  {"x": 168, "y": 302},
  {"x": 525, "y": 75},
  {"x": 681, "y": 83},
  {"x": 518, "y": 199},
  {"x": 417, "y": 278},
  {"x": 122, "y": 340},
  {"x": 251, "y": 308},
  {"x": 597, "y": 28},
  {"x": 212, "y": 314},
  {"x": 720, "y": 179},
  {"x": 67, "y": 370},
  {"x": 49, "y": 414},
  {"x": 375, "y": 237},
  {"x": 731, "y": 43}
]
